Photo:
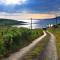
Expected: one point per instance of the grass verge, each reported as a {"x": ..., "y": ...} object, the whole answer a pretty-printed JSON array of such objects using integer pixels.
[{"x": 56, "y": 32}]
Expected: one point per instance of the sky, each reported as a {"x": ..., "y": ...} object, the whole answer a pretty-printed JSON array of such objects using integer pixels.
[
  {"x": 30, "y": 6},
  {"x": 27, "y": 16}
]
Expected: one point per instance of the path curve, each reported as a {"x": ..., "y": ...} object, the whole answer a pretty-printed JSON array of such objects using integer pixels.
[
  {"x": 50, "y": 52},
  {"x": 19, "y": 55}
]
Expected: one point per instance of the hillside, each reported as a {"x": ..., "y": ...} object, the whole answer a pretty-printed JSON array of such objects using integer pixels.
[{"x": 10, "y": 22}]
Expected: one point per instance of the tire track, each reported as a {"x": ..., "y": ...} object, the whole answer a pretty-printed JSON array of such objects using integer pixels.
[{"x": 50, "y": 53}]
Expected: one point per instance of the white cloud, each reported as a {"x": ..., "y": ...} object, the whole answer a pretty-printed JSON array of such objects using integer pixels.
[{"x": 13, "y": 2}]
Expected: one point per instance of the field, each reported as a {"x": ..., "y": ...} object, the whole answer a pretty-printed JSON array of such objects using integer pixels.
[
  {"x": 56, "y": 32},
  {"x": 12, "y": 39}
]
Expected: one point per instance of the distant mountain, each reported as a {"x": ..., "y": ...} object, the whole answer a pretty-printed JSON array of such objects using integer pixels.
[
  {"x": 58, "y": 17},
  {"x": 49, "y": 19},
  {"x": 10, "y": 22}
]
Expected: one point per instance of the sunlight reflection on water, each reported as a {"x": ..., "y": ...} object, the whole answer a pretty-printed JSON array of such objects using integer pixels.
[{"x": 37, "y": 23}]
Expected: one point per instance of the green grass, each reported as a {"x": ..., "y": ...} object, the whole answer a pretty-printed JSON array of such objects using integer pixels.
[
  {"x": 56, "y": 32},
  {"x": 12, "y": 39},
  {"x": 38, "y": 49}
]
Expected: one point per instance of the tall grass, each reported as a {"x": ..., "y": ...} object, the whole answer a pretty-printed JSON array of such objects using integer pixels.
[{"x": 12, "y": 39}]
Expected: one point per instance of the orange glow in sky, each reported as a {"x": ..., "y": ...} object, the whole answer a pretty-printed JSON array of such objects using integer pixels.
[
  {"x": 42, "y": 16},
  {"x": 27, "y": 16}
]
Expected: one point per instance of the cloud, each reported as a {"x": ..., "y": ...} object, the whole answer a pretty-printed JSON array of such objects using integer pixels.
[
  {"x": 34, "y": 6},
  {"x": 13, "y": 2},
  {"x": 19, "y": 16}
]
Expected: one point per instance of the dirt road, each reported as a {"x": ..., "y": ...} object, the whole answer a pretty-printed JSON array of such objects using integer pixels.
[
  {"x": 19, "y": 55},
  {"x": 50, "y": 52}
]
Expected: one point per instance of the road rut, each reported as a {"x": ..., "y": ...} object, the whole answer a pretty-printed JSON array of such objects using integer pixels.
[{"x": 50, "y": 52}]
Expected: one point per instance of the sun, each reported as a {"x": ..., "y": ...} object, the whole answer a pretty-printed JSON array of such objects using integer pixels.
[{"x": 9, "y": 2}]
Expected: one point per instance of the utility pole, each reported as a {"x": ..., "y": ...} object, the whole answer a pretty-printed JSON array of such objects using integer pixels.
[
  {"x": 56, "y": 20},
  {"x": 31, "y": 23}
]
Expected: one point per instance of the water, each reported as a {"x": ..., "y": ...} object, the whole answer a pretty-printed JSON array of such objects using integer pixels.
[{"x": 38, "y": 23}]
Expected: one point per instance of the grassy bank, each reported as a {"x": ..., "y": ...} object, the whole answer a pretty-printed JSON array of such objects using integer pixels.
[
  {"x": 56, "y": 32},
  {"x": 12, "y": 39},
  {"x": 37, "y": 50}
]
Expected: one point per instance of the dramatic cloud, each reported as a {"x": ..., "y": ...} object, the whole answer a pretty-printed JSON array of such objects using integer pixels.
[
  {"x": 30, "y": 6},
  {"x": 14, "y": 2}
]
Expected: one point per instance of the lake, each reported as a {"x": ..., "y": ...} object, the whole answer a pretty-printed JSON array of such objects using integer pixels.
[{"x": 38, "y": 23}]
